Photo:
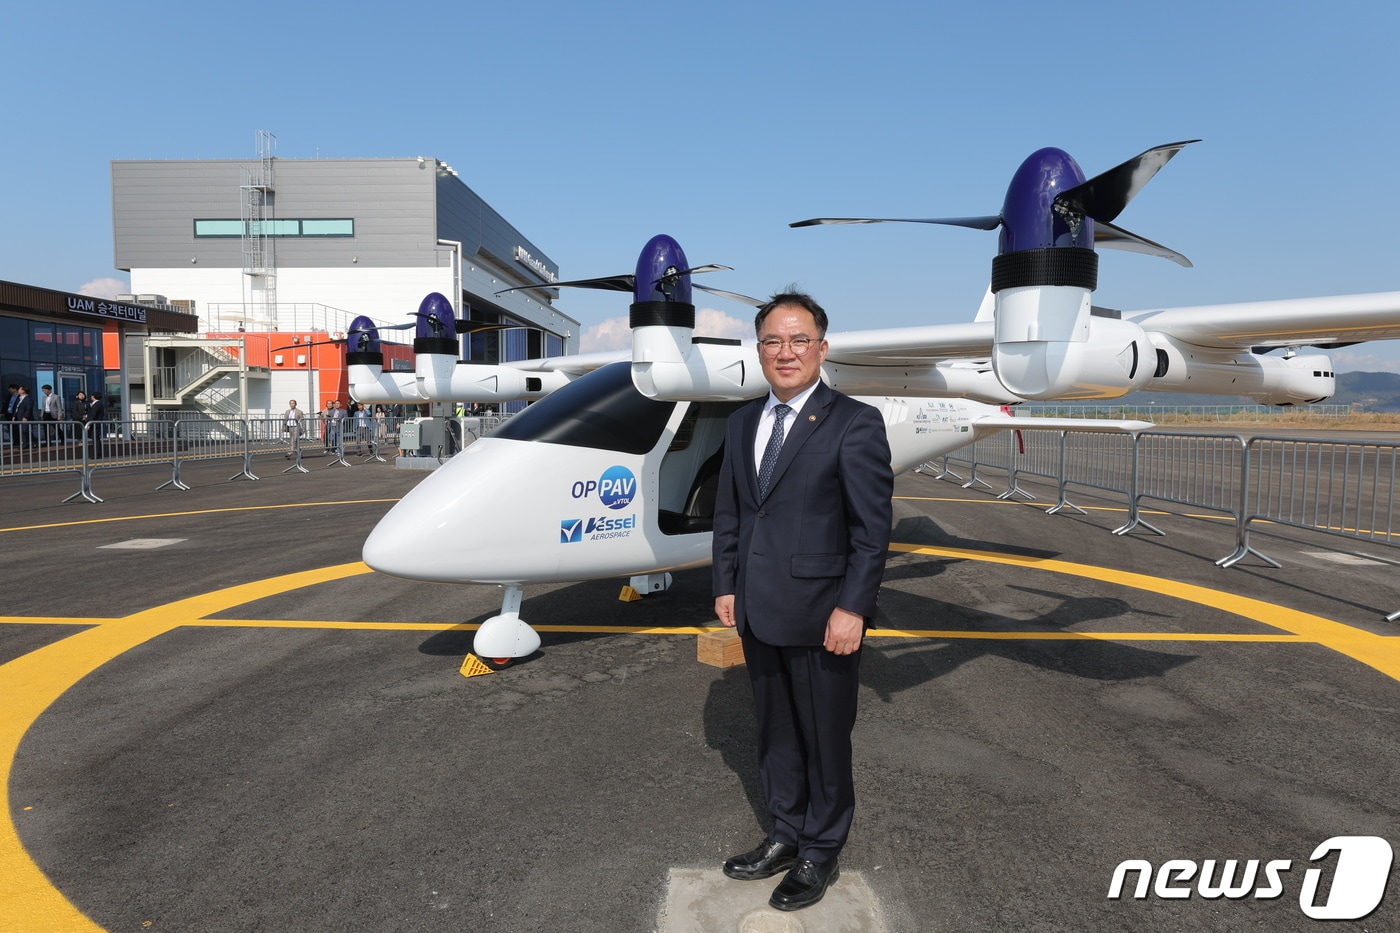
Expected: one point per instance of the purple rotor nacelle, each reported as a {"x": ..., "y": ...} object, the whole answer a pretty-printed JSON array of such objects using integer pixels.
[
  {"x": 363, "y": 336},
  {"x": 661, "y": 254},
  {"x": 436, "y": 308},
  {"x": 1028, "y": 217}
]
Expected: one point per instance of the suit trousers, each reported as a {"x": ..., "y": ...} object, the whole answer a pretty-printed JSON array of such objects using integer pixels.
[{"x": 806, "y": 703}]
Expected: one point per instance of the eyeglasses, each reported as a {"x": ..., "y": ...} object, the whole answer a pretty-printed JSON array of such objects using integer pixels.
[{"x": 772, "y": 346}]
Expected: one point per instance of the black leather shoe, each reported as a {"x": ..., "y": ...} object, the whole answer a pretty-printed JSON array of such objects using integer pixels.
[
  {"x": 764, "y": 862},
  {"x": 804, "y": 885}
]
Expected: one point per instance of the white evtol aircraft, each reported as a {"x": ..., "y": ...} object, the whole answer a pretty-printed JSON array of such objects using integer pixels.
[{"x": 616, "y": 464}]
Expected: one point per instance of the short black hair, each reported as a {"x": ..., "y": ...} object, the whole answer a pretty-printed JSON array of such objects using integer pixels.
[{"x": 791, "y": 297}]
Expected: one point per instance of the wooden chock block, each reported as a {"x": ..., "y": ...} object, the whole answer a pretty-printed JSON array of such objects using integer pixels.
[{"x": 720, "y": 649}]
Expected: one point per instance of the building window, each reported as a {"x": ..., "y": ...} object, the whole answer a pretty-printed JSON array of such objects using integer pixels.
[
  {"x": 344, "y": 227},
  {"x": 218, "y": 228},
  {"x": 41, "y": 342},
  {"x": 278, "y": 227}
]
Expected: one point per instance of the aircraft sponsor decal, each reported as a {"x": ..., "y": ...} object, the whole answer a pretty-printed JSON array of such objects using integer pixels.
[
  {"x": 1358, "y": 879},
  {"x": 616, "y": 488},
  {"x": 596, "y": 528}
]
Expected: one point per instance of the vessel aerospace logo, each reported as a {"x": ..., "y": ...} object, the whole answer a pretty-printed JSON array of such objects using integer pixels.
[
  {"x": 1358, "y": 881},
  {"x": 616, "y": 488},
  {"x": 574, "y": 530}
]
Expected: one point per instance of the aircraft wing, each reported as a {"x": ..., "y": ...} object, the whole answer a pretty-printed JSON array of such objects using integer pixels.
[
  {"x": 576, "y": 365},
  {"x": 1317, "y": 322},
  {"x": 908, "y": 346},
  {"x": 1034, "y": 423}
]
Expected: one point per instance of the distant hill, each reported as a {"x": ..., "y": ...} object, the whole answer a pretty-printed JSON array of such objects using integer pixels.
[
  {"x": 1373, "y": 392},
  {"x": 1368, "y": 391}
]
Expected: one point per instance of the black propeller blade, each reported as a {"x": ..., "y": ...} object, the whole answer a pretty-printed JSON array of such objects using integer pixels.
[
  {"x": 1104, "y": 196},
  {"x": 478, "y": 327},
  {"x": 711, "y": 267},
  {"x": 1115, "y": 237},
  {"x": 977, "y": 223},
  {"x": 610, "y": 283},
  {"x": 732, "y": 296},
  {"x": 626, "y": 283}
]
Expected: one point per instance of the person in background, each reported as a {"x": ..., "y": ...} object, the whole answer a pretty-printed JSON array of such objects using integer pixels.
[
  {"x": 94, "y": 414},
  {"x": 23, "y": 413},
  {"x": 292, "y": 419},
  {"x": 53, "y": 411},
  {"x": 360, "y": 419},
  {"x": 332, "y": 415},
  {"x": 10, "y": 401}
]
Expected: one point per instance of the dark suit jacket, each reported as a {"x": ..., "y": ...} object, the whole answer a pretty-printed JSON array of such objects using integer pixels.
[
  {"x": 818, "y": 540},
  {"x": 24, "y": 408}
]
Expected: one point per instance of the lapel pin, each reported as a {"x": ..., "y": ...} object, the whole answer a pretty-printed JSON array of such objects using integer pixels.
[{"x": 811, "y": 417}]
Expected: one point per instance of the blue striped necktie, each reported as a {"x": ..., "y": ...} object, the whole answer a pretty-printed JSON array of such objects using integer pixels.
[{"x": 775, "y": 447}]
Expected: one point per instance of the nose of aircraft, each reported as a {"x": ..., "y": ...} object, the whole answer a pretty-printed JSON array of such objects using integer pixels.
[{"x": 457, "y": 525}]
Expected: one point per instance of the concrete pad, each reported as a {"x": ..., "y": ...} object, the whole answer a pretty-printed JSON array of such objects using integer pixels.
[
  {"x": 705, "y": 901},
  {"x": 142, "y": 544}
]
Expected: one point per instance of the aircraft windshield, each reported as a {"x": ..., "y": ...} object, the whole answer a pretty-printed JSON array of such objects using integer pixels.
[{"x": 602, "y": 410}]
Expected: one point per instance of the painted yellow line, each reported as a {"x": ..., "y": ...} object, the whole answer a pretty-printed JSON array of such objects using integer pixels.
[
  {"x": 1381, "y": 652},
  {"x": 241, "y": 508},
  {"x": 935, "y": 634}
]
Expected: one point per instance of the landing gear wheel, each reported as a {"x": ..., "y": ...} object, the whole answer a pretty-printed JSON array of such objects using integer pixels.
[{"x": 504, "y": 638}]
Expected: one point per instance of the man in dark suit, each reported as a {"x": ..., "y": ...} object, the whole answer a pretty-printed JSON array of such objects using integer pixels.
[
  {"x": 802, "y": 526},
  {"x": 24, "y": 414}
]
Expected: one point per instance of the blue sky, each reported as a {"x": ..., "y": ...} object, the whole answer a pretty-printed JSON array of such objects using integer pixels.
[{"x": 592, "y": 127}]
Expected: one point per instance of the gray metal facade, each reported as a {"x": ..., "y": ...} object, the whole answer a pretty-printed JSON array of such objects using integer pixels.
[{"x": 401, "y": 207}]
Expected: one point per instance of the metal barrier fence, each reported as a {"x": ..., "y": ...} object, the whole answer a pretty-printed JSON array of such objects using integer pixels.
[
  {"x": 1341, "y": 488},
  {"x": 49, "y": 447},
  {"x": 1154, "y": 412},
  {"x": 1344, "y": 488}
]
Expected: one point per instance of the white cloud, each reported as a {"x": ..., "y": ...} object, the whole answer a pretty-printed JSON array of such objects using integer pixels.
[
  {"x": 612, "y": 334},
  {"x": 615, "y": 334},
  {"x": 1382, "y": 356},
  {"x": 104, "y": 288},
  {"x": 712, "y": 323}
]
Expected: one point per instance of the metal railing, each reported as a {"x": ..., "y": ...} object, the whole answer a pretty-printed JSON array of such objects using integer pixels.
[
  {"x": 1340, "y": 488},
  {"x": 51, "y": 448},
  {"x": 1345, "y": 488},
  {"x": 1153, "y": 412}
]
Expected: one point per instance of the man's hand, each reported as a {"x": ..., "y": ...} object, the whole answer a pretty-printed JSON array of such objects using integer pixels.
[
  {"x": 844, "y": 631},
  {"x": 724, "y": 610}
]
